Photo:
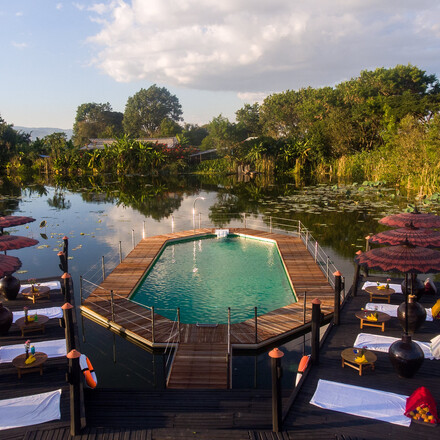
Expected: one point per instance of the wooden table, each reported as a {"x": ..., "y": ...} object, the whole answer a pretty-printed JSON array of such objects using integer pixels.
[
  {"x": 19, "y": 363},
  {"x": 32, "y": 326},
  {"x": 376, "y": 293},
  {"x": 43, "y": 292},
  {"x": 382, "y": 318},
  {"x": 350, "y": 354}
]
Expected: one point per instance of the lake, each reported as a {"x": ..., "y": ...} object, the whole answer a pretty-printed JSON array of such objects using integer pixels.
[{"x": 99, "y": 212}]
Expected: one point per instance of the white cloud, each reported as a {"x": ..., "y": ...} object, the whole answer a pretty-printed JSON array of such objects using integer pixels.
[
  {"x": 19, "y": 45},
  {"x": 79, "y": 6},
  {"x": 59, "y": 6},
  {"x": 19, "y": 14},
  {"x": 256, "y": 46},
  {"x": 252, "y": 97}
]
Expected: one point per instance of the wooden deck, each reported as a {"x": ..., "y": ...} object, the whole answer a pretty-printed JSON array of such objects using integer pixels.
[{"x": 139, "y": 323}]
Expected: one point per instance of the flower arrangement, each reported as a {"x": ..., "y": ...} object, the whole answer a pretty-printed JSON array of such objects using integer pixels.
[
  {"x": 388, "y": 282},
  {"x": 32, "y": 282}
]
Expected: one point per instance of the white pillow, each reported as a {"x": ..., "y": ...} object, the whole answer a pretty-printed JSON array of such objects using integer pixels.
[{"x": 435, "y": 347}]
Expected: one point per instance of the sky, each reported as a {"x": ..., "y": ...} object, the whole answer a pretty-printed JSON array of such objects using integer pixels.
[{"x": 215, "y": 56}]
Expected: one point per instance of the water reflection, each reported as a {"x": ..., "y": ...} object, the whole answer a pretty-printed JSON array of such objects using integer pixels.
[{"x": 99, "y": 212}]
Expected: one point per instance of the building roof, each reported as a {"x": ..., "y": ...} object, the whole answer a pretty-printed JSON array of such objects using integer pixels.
[{"x": 101, "y": 143}]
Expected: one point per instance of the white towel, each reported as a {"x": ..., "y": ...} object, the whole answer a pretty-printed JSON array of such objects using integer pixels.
[
  {"x": 53, "y": 285},
  {"x": 50, "y": 312},
  {"x": 30, "y": 410},
  {"x": 391, "y": 309},
  {"x": 362, "y": 402},
  {"x": 54, "y": 348},
  {"x": 382, "y": 343},
  {"x": 396, "y": 287}
]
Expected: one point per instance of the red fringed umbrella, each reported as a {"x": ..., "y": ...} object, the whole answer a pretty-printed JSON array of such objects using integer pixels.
[
  {"x": 10, "y": 242},
  {"x": 416, "y": 236},
  {"x": 418, "y": 219},
  {"x": 6, "y": 221},
  {"x": 8, "y": 265},
  {"x": 404, "y": 258}
]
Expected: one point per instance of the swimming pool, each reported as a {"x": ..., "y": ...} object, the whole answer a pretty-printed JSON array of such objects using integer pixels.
[{"x": 205, "y": 276}]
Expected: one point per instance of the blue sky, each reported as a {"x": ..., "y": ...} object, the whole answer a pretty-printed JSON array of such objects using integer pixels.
[{"x": 214, "y": 56}]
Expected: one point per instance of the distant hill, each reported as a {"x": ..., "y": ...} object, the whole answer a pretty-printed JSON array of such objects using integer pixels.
[{"x": 40, "y": 132}]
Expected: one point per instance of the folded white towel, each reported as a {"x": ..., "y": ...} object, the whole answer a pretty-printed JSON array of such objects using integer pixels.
[
  {"x": 50, "y": 312},
  {"x": 54, "y": 348},
  {"x": 396, "y": 287},
  {"x": 382, "y": 343},
  {"x": 391, "y": 309},
  {"x": 30, "y": 410},
  {"x": 53, "y": 285},
  {"x": 362, "y": 402}
]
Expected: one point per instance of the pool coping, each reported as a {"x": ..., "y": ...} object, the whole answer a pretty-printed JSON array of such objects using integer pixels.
[{"x": 155, "y": 331}]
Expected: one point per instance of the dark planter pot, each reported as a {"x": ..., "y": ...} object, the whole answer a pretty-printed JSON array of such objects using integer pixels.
[
  {"x": 5, "y": 319},
  {"x": 406, "y": 357},
  {"x": 418, "y": 288},
  {"x": 416, "y": 315},
  {"x": 9, "y": 287}
]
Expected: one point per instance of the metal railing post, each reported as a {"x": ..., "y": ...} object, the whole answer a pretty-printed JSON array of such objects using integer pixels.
[
  {"x": 245, "y": 223},
  {"x": 132, "y": 237},
  {"x": 103, "y": 267},
  {"x": 143, "y": 230},
  {"x": 305, "y": 308},
  {"x": 112, "y": 305},
  {"x": 152, "y": 324},
  {"x": 270, "y": 224},
  {"x": 178, "y": 324},
  {"x": 256, "y": 325},
  {"x": 326, "y": 270},
  {"x": 120, "y": 252},
  {"x": 200, "y": 219},
  {"x": 337, "y": 305},
  {"x": 307, "y": 239},
  {"x": 81, "y": 296},
  {"x": 316, "y": 251},
  {"x": 172, "y": 223}
]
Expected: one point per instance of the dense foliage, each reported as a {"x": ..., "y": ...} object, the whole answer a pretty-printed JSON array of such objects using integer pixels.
[{"x": 382, "y": 125}]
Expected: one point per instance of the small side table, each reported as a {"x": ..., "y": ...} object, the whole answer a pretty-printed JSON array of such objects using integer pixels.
[
  {"x": 348, "y": 358},
  {"x": 382, "y": 318},
  {"x": 22, "y": 368},
  {"x": 381, "y": 294},
  {"x": 43, "y": 292},
  {"x": 32, "y": 326}
]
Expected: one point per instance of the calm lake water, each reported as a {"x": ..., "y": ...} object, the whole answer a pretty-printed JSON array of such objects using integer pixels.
[{"x": 98, "y": 213}]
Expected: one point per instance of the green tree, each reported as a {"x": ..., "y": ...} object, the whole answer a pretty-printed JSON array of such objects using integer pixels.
[
  {"x": 248, "y": 118},
  {"x": 222, "y": 135},
  {"x": 96, "y": 121},
  {"x": 194, "y": 134},
  {"x": 146, "y": 109},
  {"x": 11, "y": 141},
  {"x": 169, "y": 128}
]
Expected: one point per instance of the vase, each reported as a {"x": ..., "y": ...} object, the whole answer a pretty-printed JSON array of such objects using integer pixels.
[
  {"x": 9, "y": 287},
  {"x": 416, "y": 315},
  {"x": 406, "y": 357},
  {"x": 5, "y": 319}
]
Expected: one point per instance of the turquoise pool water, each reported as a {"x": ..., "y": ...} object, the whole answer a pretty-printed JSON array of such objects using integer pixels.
[{"x": 206, "y": 276}]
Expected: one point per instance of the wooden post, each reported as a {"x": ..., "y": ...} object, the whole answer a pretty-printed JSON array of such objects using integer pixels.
[
  {"x": 316, "y": 324},
  {"x": 256, "y": 325},
  {"x": 357, "y": 271},
  {"x": 276, "y": 356},
  {"x": 229, "y": 331},
  {"x": 305, "y": 307},
  {"x": 68, "y": 322},
  {"x": 66, "y": 277},
  {"x": 63, "y": 263},
  {"x": 244, "y": 215},
  {"x": 66, "y": 251},
  {"x": 367, "y": 243},
  {"x": 74, "y": 388},
  {"x": 337, "y": 305}
]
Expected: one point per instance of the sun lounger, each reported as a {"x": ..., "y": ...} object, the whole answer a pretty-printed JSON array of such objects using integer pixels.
[
  {"x": 50, "y": 312},
  {"x": 391, "y": 309},
  {"x": 30, "y": 410},
  {"x": 396, "y": 287},
  {"x": 382, "y": 343},
  {"x": 362, "y": 402},
  {"x": 54, "y": 348},
  {"x": 53, "y": 285}
]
